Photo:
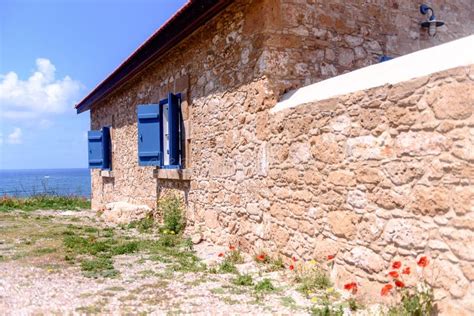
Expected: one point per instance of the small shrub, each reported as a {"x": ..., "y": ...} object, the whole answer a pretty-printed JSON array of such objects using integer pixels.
[
  {"x": 265, "y": 286},
  {"x": 99, "y": 267},
  {"x": 227, "y": 267},
  {"x": 127, "y": 247},
  {"x": 168, "y": 241},
  {"x": 235, "y": 257},
  {"x": 173, "y": 219},
  {"x": 243, "y": 280}
]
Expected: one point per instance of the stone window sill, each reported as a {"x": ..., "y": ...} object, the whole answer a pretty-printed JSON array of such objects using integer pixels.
[
  {"x": 106, "y": 174},
  {"x": 172, "y": 174}
]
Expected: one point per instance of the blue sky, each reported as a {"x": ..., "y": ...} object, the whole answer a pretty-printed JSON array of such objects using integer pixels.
[{"x": 52, "y": 53}]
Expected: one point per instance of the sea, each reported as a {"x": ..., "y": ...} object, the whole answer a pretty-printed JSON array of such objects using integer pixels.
[{"x": 64, "y": 182}]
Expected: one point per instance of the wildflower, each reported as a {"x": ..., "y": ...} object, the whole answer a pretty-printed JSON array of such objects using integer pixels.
[
  {"x": 386, "y": 289},
  {"x": 294, "y": 259},
  {"x": 399, "y": 283},
  {"x": 331, "y": 257},
  {"x": 314, "y": 299},
  {"x": 351, "y": 287},
  {"x": 231, "y": 248},
  {"x": 221, "y": 254},
  {"x": 406, "y": 270},
  {"x": 330, "y": 290},
  {"x": 165, "y": 232},
  {"x": 292, "y": 267},
  {"x": 312, "y": 262},
  {"x": 261, "y": 257},
  {"x": 393, "y": 274},
  {"x": 396, "y": 265},
  {"x": 423, "y": 262},
  {"x": 310, "y": 293},
  {"x": 172, "y": 232}
]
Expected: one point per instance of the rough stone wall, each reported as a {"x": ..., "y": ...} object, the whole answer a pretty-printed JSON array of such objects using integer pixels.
[
  {"x": 222, "y": 57},
  {"x": 319, "y": 39},
  {"x": 376, "y": 176}
]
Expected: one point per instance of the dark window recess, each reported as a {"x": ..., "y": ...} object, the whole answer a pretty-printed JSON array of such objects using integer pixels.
[
  {"x": 159, "y": 133},
  {"x": 99, "y": 149}
]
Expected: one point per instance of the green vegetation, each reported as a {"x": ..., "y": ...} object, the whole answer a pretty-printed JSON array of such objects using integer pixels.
[
  {"x": 327, "y": 310},
  {"x": 173, "y": 219},
  {"x": 234, "y": 256},
  {"x": 227, "y": 267},
  {"x": 264, "y": 286},
  {"x": 43, "y": 202},
  {"x": 144, "y": 225},
  {"x": 416, "y": 303},
  {"x": 313, "y": 280},
  {"x": 243, "y": 280}
]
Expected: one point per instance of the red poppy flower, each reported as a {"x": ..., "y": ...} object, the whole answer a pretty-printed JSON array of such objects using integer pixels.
[
  {"x": 330, "y": 257},
  {"x": 221, "y": 254},
  {"x": 423, "y": 262},
  {"x": 393, "y": 274},
  {"x": 291, "y": 267},
  {"x": 396, "y": 265},
  {"x": 261, "y": 257},
  {"x": 399, "y": 283},
  {"x": 406, "y": 270},
  {"x": 386, "y": 289},
  {"x": 231, "y": 248},
  {"x": 352, "y": 286},
  {"x": 294, "y": 259}
]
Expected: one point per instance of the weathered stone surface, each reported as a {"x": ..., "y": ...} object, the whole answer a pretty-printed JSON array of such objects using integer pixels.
[
  {"x": 343, "y": 223},
  {"x": 421, "y": 144},
  {"x": 326, "y": 148},
  {"x": 365, "y": 259},
  {"x": 405, "y": 233},
  {"x": 343, "y": 178},
  {"x": 430, "y": 200},
  {"x": 124, "y": 213},
  {"x": 453, "y": 101},
  {"x": 402, "y": 172}
]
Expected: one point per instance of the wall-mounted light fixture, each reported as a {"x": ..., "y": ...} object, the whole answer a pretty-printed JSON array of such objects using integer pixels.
[{"x": 431, "y": 23}]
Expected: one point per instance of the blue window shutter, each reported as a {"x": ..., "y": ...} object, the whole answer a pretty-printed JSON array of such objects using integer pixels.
[
  {"x": 149, "y": 144},
  {"x": 174, "y": 112},
  {"x": 96, "y": 157},
  {"x": 99, "y": 149}
]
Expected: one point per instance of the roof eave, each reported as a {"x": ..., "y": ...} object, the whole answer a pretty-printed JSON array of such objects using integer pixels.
[{"x": 166, "y": 37}]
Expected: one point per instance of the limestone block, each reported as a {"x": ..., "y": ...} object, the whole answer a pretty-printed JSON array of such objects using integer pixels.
[
  {"x": 421, "y": 144},
  {"x": 430, "y": 200},
  {"x": 452, "y": 101},
  {"x": 343, "y": 223},
  {"x": 405, "y": 233},
  {"x": 124, "y": 213},
  {"x": 366, "y": 259}
]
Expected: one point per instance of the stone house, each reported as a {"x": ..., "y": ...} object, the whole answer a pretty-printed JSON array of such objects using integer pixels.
[{"x": 372, "y": 175}]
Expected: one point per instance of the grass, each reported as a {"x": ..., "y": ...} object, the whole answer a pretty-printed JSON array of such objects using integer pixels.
[
  {"x": 265, "y": 286},
  {"x": 43, "y": 202},
  {"x": 313, "y": 280},
  {"x": 243, "y": 280}
]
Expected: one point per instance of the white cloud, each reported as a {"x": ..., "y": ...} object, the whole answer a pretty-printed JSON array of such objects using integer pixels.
[
  {"x": 40, "y": 94},
  {"x": 15, "y": 136}
]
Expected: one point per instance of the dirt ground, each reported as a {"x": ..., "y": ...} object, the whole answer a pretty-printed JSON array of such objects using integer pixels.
[{"x": 38, "y": 276}]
